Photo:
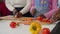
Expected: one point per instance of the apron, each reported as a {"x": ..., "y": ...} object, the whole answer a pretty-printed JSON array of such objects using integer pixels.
[
  {"x": 4, "y": 10},
  {"x": 53, "y": 7},
  {"x": 41, "y": 7}
]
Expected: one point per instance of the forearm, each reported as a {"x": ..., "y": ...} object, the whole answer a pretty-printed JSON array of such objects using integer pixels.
[
  {"x": 32, "y": 7},
  {"x": 26, "y": 8},
  {"x": 9, "y": 5},
  {"x": 50, "y": 13}
]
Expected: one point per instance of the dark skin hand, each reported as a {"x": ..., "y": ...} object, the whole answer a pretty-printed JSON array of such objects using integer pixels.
[
  {"x": 14, "y": 11},
  {"x": 56, "y": 17},
  {"x": 18, "y": 15},
  {"x": 33, "y": 12}
]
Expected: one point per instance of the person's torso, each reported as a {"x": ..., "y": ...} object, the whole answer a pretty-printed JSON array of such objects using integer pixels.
[
  {"x": 41, "y": 7},
  {"x": 46, "y": 7},
  {"x": 18, "y": 3}
]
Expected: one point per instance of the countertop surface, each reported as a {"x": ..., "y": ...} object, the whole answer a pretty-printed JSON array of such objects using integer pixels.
[{"x": 22, "y": 29}]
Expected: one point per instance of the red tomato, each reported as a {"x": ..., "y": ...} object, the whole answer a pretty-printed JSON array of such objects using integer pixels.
[
  {"x": 44, "y": 20},
  {"x": 48, "y": 20},
  {"x": 13, "y": 24},
  {"x": 39, "y": 18},
  {"x": 45, "y": 31}
]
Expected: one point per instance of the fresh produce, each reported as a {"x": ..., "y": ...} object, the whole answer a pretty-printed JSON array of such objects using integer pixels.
[
  {"x": 44, "y": 20},
  {"x": 49, "y": 21},
  {"x": 39, "y": 18},
  {"x": 45, "y": 31},
  {"x": 35, "y": 27},
  {"x": 13, "y": 24}
]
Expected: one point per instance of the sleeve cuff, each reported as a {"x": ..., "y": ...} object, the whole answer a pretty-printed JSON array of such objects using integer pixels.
[
  {"x": 50, "y": 13},
  {"x": 32, "y": 8}
]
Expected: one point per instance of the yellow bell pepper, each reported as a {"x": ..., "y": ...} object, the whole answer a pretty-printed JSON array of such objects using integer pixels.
[{"x": 35, "y": 27}]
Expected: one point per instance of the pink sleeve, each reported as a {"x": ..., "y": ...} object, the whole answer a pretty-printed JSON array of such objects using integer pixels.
[
  {"x": 54, "y": 4},
  {"x": 31, "y": 8},
  {"x": 32, "y": 5},
  {"x": 50, "y": 13},
  {"x": 53, "y": 10}
]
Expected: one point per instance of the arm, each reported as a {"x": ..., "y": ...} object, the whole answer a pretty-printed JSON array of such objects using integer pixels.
[
  {"x": 9, "y": 5},
  {"x": 27, "y": 7},
  {"x": 54, "y": 9},
  {"x": 32, "y": 8},
  {"x": 50, "y": 13}
]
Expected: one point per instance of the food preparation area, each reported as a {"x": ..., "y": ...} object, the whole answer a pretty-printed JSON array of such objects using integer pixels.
[{"x": 22, "y": 25}]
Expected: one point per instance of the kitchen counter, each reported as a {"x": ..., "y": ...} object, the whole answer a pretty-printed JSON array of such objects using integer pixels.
[{"x": 22, "y": 29}]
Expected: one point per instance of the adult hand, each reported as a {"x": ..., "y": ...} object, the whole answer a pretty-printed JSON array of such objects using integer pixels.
[
  {"x": 14, "y": 11},
  {"x": 56, "y": 17},
  {"x": 18, "y": 15}
]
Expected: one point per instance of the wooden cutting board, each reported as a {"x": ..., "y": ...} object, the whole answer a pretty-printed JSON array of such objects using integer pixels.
[
  {"x": 20, "y": 19},
  {"x": 13, "y": 18},
  {"x": 7, "y": 18}
]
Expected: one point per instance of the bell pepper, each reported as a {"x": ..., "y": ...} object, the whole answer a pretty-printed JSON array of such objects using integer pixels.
[{"x": 35, "y": 27}]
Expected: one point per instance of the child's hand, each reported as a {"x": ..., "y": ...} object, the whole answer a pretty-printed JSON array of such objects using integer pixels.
[
  {"x": 18, "y": 15},
  {"x": 33, "y": 12},
  {"x": 56, "y": 16}
]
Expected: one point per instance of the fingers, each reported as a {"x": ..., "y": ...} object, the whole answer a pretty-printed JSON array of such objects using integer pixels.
[
  {"x": 18, "y": 15},
  {"x": 33, "y": 12}
]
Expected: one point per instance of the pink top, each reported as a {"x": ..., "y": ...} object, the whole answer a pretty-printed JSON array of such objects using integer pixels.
[
  {"x": 32, "y": 6},
  {"x": 52, "y": 8},
  {"x": 50, "y": 13}
]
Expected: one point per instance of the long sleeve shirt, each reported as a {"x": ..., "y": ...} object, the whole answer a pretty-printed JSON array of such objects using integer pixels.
[
  {"x": 32, "y": 6},
  {"x": 11, "y": 4},
  {"x": 53, "y": 9}
]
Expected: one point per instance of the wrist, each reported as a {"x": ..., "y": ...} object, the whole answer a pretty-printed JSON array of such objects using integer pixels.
[
  {"x": 20, "y": 13},
  {"x": 14, "y": 11}
]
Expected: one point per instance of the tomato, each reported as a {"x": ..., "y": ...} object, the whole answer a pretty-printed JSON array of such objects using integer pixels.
[
  {"x": 48, "y": 20},
  {"x": 45, "y": 31},
  {"x": 39, "y": 18},
  {"x": 44, "y": 20},
  {"x": 13, "y": 24}
]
